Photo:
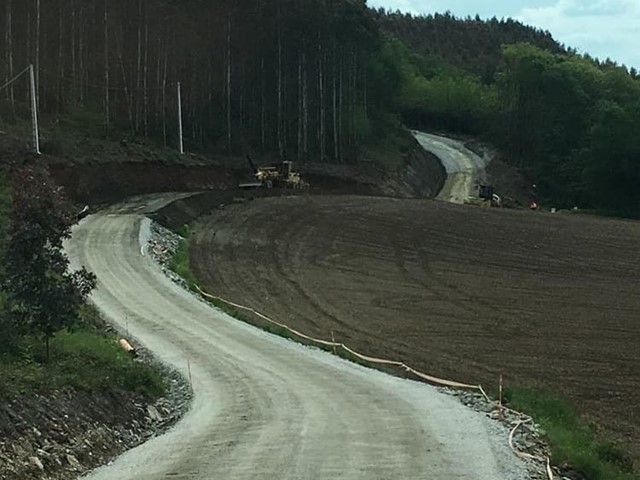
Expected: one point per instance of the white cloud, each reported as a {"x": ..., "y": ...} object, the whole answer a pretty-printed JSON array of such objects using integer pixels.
[{"x": 602, "y": 28}]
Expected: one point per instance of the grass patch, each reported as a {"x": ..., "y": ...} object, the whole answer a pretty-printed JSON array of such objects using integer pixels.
[
  {"x": 574, "y": 442},
  {"x": 180, "y": 261},
  {"x": 85, "y": 359}
]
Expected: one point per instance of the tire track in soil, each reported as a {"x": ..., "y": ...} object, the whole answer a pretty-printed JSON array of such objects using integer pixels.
[{"x": 459, "y": 292}]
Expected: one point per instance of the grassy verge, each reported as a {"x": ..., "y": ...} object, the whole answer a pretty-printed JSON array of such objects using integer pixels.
[
  {"x": 573, "y": 441},
  {"x": 180, "y": 261},
  {"x": 85, "y": 359}
]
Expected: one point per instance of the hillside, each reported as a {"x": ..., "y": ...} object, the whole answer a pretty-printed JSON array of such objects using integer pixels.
[
  {"x": 469, "y": 44},
  {"x": 327, "y": 81}
]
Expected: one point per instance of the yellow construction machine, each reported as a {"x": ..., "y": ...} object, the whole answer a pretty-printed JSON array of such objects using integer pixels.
[
  {"x": 275, "y": 176},
  {"x": 486, "y": 197}
]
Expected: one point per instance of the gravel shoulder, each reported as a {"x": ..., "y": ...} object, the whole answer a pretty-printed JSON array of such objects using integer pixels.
[{"x": 265, "y": 407}]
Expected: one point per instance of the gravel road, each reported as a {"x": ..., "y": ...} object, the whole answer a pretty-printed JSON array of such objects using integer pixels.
[
  {"x": 464, "y": 168},
  {"x": 268, "y": 408}
]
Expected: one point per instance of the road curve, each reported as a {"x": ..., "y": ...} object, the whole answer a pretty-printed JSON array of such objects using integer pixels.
[
  {"x": 265, "y": 407},
  {"x": 464, "y": 168}
]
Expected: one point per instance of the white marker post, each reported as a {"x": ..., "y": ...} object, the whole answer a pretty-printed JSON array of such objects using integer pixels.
[
  {"x": 34, "y": 112},
  {"x": 180, "y": 119}
]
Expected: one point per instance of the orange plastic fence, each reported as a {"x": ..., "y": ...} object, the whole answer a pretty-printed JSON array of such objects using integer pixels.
[{"x": 382, "y": 361}]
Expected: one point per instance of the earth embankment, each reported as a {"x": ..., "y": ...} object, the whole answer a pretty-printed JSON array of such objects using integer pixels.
[{"x": 419, "y": 174}]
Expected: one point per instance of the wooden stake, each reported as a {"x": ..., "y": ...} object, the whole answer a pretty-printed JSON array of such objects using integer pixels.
[
  {"x": 333, "y": 340},
  {"x": 500, "y": 411}
]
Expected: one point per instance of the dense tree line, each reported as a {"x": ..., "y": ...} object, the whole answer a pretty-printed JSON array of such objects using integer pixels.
[
  {"x": 470, "y": 44},
  {"x": 289, "y": 77},
  {"x": 569, "y": 122},
  {"x": 566, "y": 120}
]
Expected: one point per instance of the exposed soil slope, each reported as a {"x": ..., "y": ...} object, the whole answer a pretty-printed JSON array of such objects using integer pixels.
[{"x": 460, "y": 292}]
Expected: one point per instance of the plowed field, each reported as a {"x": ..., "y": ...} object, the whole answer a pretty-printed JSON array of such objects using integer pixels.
[{"x": 460, "y": 292}]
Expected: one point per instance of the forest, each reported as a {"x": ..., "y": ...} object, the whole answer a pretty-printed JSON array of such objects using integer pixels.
[{"x": 329, "y": 80}]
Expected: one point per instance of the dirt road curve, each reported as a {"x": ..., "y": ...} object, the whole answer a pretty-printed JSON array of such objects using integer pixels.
[
  {"x": 464, "y": 168},
  {"x": 267, "y": 408}
]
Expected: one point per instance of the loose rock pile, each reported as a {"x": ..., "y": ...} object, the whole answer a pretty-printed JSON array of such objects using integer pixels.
[
  {"x": 162, "y": 246},
  {"x": 528, "y": 438}
]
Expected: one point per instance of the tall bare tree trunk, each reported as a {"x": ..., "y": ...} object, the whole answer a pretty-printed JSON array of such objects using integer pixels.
[
  {"x": 340, "y": 108},
  {"x": 336, "y": 142},
  {"x": 300, "y": 120},
  {"x": 263, "y": 120},
  {"x": 353, "y": 70},
  {"x": 37, "y": 52},
  {"x": 164, "y": 98},
  {"x": 158, "y": 87},
  {"x": 365, "y": 95},
  {"x": 305, "y": 108},
  {"x": 138, "y": 67},
  {"x": 229, "y": 136},
  {"x": 145, "y": 73},
  {"x": 8, "y": 38},
  {"x": 81, "y": 47},
  {"x": 321, "y": 119},
  {"x": 280, "y": 116},
  {"x": 128, "y": 95},
  {"x": 61, "y": 71},
  {"x": 73, "y": 53},
  {"x": 106, "y": 64}
]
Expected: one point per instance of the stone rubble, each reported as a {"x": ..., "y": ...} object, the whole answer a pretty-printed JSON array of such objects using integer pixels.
[
  {"x": 528, "y": 438},
  {"x": 64, "y": 434},
  {"x": 162, "y": 246}
]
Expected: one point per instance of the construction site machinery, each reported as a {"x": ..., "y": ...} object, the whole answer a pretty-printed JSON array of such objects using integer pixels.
[
  {"x": 487, "y": 193},
  {"x": 281, "y": 175}
]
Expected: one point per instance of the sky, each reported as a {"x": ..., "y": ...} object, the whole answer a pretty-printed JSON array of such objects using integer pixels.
[{"x": 601, "y": 28}]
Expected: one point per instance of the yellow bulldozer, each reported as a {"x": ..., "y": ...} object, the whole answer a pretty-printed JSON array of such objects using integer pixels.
[{"x": 280, "y": 175}]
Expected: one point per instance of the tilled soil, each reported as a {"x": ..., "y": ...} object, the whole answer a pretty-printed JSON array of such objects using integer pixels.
[{"x": 459, "y": 292}]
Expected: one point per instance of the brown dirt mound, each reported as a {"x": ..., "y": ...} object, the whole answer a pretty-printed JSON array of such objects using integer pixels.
[{"x": 459, "y": 292}]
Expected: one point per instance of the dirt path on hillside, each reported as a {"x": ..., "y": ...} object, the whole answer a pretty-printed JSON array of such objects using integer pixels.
[
  {"x": 464, "y": 168},
  {"x": 267, "y": 408},
  {"x": 463, "y": 293}
]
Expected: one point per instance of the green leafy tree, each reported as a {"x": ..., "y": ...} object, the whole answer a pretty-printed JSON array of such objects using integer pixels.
[{"x": 43, "y": 297}]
